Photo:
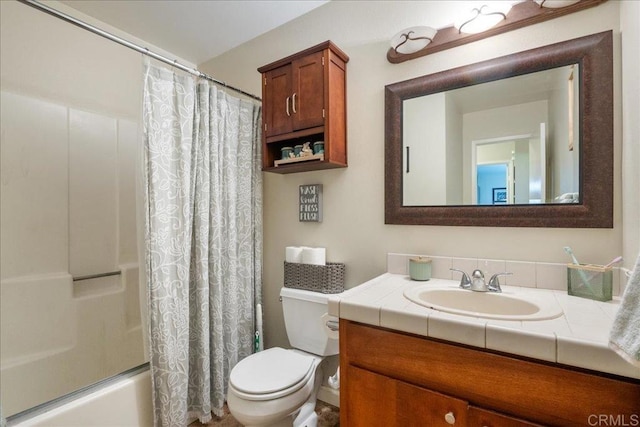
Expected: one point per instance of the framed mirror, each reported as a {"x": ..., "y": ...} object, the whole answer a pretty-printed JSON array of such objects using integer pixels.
[{"x": 525, "y": 140}]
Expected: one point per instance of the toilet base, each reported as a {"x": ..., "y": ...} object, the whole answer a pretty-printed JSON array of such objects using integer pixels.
[
  {"x": 307, "y": 416},
  {"x": 287, "y": 422}
]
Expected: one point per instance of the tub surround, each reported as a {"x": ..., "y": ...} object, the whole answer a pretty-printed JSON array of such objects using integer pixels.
[{"x": 579, "y": 338}]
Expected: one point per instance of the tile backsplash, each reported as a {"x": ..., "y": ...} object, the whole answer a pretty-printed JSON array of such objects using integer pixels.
[{"x": 543, "y": 275}]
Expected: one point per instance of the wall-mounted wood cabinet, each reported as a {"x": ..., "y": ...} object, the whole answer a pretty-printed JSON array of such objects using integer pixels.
[{"x": 304, "y": 100}]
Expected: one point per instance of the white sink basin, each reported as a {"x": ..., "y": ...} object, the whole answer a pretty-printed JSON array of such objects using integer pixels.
[{"x": 490, "y": 305}]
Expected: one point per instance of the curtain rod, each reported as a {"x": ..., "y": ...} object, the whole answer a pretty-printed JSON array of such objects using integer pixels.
[{"x": 70, "y": 19}]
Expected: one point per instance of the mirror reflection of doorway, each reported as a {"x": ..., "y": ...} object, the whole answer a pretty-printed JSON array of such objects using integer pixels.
[
  {"x": 516, "y": 163},
  {"x": 492, "y": 184}
]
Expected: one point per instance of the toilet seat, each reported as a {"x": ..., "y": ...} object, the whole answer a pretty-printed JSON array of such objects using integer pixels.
[{"x": 271, "y": 374}]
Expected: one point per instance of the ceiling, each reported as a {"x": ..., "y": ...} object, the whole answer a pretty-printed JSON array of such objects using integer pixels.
[{"x": 198, "y": 30}]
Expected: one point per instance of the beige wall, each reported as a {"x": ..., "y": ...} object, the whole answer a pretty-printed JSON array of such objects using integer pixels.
[
  {"x": 353, "y": 230},
  {"x": 630, "y": 29}
]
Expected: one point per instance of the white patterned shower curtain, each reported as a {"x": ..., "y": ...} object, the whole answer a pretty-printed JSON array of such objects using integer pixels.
[{"x": 203, "y": 240}]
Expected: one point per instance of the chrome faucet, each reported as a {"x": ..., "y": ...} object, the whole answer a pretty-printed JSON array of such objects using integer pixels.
[
  {"x": 465, "y": 282},
  {"x": 494, "y": 282},
  {"x": 477, "y": 283}
]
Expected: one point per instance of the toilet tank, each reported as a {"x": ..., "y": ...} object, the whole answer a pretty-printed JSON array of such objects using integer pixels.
[{"x": 305, "y": 317}]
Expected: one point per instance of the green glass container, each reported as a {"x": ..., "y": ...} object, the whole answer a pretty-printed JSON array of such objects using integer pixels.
[
  {"x": 420, "y": 268},
  {"x": 590, "y": 281}
]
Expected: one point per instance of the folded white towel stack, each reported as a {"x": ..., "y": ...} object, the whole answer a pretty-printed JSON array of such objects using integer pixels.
[{"x": 624, "y": 337}]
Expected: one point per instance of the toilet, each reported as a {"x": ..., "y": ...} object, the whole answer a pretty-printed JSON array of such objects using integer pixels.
[{"x": 278, "y": 387}]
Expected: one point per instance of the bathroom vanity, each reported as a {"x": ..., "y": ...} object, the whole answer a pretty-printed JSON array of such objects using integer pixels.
[
  {"x": 396, "y": 379},
  {"x": 403, "y": 364}
]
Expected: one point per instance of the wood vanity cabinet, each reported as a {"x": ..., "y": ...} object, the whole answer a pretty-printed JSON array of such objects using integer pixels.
[
  {"x": 485, "y": 418},
  {"x": 396, "y": 379},
  {"x": 304, "y": 100}
]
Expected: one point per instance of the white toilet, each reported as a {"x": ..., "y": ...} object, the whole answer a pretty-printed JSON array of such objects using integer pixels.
[{"x": 278, "y": 387}]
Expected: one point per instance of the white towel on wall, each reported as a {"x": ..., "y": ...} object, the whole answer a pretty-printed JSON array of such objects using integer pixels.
[{"x": 624, "y": 337}]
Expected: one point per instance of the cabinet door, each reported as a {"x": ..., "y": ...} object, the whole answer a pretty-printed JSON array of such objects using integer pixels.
[
  {"x": 419, "y": 407},
  {"x": 376, "y": 400},
  {"x": 371, "y": 399},
  {"x": 308, "y": 92},
  {"x": 485, "y": 418},
  {"x": 277, "y": 101}
]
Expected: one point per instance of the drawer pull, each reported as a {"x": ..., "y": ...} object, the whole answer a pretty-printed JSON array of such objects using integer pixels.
[
  {"x": 450, "y": 418},
  {"x": 287, "y": 106}
]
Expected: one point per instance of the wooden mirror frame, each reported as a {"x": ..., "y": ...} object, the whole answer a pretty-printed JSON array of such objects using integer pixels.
[{"x": 594, "y": 56}]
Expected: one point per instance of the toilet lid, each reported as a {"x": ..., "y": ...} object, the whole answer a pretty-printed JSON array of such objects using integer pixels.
[{"x": 270, "y": 371}]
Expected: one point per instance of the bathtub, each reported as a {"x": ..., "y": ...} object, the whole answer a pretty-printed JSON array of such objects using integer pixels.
[{"x": 123, "y": 401}]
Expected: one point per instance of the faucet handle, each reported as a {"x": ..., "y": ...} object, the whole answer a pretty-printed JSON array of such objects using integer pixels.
[
  {"x": 494, "y": 282},
  {"x": 465, "y": 282},
  {"x": 477, "y": 274}
]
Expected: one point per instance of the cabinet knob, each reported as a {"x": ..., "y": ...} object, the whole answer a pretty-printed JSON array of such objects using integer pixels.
[{"x": 450, "y": 418}]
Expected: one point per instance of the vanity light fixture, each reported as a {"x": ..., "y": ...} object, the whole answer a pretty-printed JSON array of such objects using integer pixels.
[
  {"x": 555, "y": 4},
  {"x": 482, "y": 18},
  {"x": 412, "y": 39},
  {"x": 521, "y": 14}
]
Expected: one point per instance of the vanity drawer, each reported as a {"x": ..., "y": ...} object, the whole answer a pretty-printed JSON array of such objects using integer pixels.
[
  {"x": 478, "y": 417},
  {"x": 378, "y": 400}
]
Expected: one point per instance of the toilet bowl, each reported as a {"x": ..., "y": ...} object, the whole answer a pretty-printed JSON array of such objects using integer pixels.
[
  {"x": 278, "y": 387},
  {"x": 269, "y": 388}
]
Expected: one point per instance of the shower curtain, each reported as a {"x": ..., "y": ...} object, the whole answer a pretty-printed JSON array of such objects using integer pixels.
[{"x": 203, "y": 239}]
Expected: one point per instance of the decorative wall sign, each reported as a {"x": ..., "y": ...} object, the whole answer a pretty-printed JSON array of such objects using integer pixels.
[{"x": 310, "y": 203}]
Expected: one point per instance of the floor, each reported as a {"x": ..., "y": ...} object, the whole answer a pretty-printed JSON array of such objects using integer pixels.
[{"x": 328, "y": 416}]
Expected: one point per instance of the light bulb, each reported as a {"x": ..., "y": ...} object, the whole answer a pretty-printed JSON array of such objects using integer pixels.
[
  {"x": 412, "y": 39},
  {"x": 482, "y": 18}
]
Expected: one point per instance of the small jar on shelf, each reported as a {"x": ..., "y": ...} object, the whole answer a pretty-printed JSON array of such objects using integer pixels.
[
  {"x": 318, "y": 147},
  {"x": 286, "y": 152}
]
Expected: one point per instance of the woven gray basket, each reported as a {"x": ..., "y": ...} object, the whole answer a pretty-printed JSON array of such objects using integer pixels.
[{"x": 327, "y": 279}]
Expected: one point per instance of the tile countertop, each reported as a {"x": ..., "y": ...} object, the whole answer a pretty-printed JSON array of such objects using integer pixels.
[{"x": 578, "y": 338}]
